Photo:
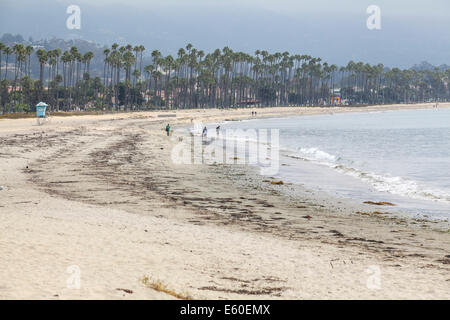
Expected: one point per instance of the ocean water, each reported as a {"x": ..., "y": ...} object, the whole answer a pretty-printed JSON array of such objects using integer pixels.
[{"x": 397, "y": 156}]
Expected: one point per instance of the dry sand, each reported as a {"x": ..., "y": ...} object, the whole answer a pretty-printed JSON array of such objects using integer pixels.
[{"x": 100, "y": 193}]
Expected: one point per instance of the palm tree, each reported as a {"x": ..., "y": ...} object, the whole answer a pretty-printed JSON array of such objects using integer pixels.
[
  {"x": 141, "y": 51},
  {"x": 106, "y": 52},
  {"x": 156, "y": 56},
  {"x": 29, "y": 50},
  {"x": 88, "y": 56},
  {"x": 167, "y": 63},
  {"x": 66, "y": 59},
  {"x": 42, "y": 58},
  {"x": 2, "y": 49},
  {"x": 17, "y": 49},
  {"x": 222, "y": 78},
  {"x": 149, "y": 71},
  {"x": 136, "y": 50},
  {"x": 128, "y": 59}
]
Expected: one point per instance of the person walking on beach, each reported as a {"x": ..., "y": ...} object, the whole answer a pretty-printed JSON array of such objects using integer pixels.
[
  {"x": 217, "y": 131},
  {"x": 168, "y": 129},
  {"x": 205, "y": 132}
]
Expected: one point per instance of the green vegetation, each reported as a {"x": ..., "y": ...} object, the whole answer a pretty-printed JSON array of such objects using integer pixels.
[{"x": 193, "y": 79}]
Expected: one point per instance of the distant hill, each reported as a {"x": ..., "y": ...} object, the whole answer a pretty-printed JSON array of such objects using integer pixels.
[{"x": 50, "y": 44}]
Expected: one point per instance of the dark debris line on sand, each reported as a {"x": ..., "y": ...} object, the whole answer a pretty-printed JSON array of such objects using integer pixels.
[{"x": 113, "y": 155}]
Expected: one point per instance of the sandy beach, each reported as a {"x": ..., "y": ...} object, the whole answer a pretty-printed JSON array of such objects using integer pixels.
[{"x": 92, "y": 207}]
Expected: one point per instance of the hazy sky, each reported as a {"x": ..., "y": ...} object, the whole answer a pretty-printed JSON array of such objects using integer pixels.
[{"x": 412, "y": 31}]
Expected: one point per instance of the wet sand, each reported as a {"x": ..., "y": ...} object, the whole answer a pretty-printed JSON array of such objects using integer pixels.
[{"x": 101, "y": 193}]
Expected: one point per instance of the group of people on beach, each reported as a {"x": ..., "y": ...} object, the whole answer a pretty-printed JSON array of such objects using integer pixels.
[{"x": 204, "y": 132}]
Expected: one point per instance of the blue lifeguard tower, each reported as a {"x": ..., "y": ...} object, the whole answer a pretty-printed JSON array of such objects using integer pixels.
[{"x": 41, "y": 108}]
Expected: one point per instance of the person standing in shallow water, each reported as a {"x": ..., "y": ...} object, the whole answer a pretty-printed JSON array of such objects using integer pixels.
[{"x": 168, "y": 129}]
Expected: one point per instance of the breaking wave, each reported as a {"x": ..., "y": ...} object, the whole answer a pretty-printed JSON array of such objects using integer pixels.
[{"x": 383, "y": 183}]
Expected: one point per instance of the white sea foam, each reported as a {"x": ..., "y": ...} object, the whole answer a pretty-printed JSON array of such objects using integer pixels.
[
  {"x": 396, "y": 185},
  {"x": 317, "y": 154},
  {"x": 383, "y": 183},
  {"x": 399, "y": 156}
]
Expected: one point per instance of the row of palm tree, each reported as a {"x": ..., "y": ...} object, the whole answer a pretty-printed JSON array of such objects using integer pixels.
[{"x": 193, "y": 79}]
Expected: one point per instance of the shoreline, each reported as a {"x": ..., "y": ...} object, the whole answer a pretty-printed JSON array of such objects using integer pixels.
[
  {"x": 239, "y": 113},
  {"x": 63, "y": 114},
  {"x": 102, "y": 194},
  {"x": 439, "y": 222}
]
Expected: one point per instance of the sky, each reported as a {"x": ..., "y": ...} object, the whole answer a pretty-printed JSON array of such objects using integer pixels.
[{"x": 411, "y": 31}]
